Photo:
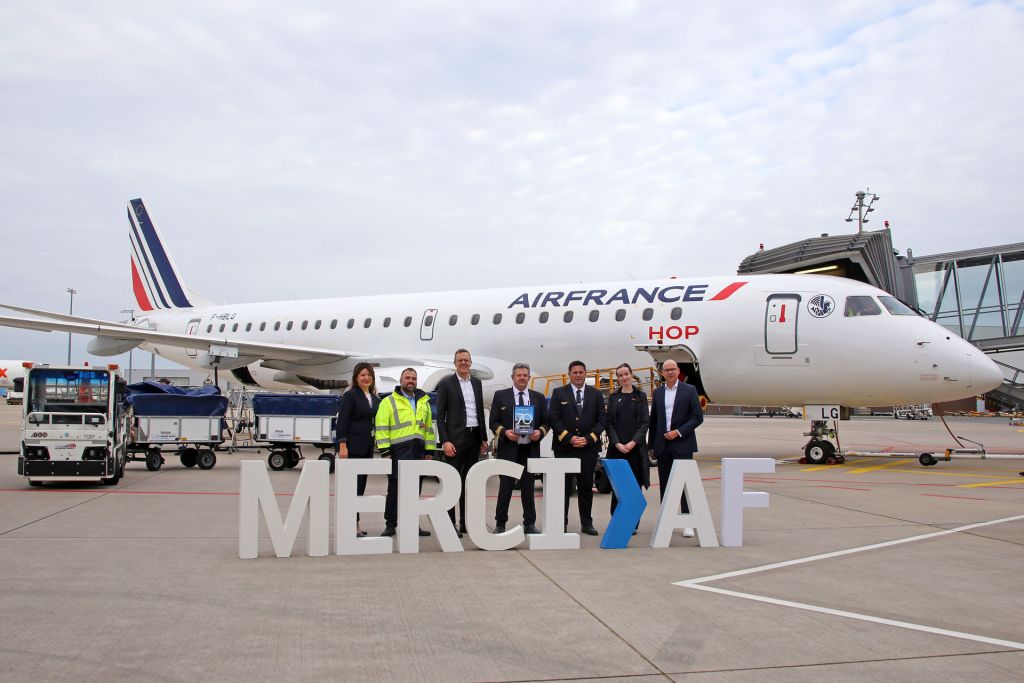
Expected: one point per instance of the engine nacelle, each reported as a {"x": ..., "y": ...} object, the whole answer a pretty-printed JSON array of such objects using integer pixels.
[{"x": 108, "y": 346}]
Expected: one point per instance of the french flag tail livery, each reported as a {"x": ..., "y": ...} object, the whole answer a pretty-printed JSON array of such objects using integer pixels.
[{"x": 155, "y": 279}]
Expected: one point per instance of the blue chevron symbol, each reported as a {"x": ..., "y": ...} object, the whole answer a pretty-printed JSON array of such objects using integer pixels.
[{"x": 631, "y": 504}]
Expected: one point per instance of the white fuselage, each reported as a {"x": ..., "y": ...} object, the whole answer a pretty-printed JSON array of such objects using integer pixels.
[{"x": 745, "y": 353}]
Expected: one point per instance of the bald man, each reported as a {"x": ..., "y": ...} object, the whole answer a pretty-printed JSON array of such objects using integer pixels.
[{"x": 675, "y": 416}]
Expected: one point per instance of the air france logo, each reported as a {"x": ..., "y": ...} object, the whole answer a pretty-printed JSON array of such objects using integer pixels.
[{"x": 821, "y": 306}]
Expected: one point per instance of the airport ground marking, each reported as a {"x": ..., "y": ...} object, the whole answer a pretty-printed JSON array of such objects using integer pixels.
[
  {"x": 883, "y": 466},
  {"x": 937, "y": 495},
  {"x": 979, "y": 485},
  {"x": 844, "y": 488},
  {"x": 698, "y": 584}
]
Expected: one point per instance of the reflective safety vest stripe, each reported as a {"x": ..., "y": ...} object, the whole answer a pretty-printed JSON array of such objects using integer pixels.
[{"x": 398, "y": 421}]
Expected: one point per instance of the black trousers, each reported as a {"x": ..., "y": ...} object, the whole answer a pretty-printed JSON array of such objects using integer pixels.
[
  {"x": 664, "y": 470},
  {"x": 635, "y": 458},
  {"x": 584, "y": 484},
  {"x": 467, "y": 453},
  {"x": 415, "y": 452},
  {"x": 507, "y": 484},
  {"x": 361, "y": 479}
]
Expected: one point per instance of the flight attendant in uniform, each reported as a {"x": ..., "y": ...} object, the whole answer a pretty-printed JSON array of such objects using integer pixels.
[
  {"x": 577, "y": 419},
  {"x": 355, "y": 421},
  {"x": 628, "y": 416}
]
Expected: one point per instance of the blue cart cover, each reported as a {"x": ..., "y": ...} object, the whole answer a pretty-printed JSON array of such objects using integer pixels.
[
  {"x": 152, "y": 399},
  {"x": 296, "y": 404}
]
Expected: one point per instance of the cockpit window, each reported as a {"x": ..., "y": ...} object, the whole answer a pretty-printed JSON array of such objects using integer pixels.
[
  {"x": 861, "y": 305},
  {"x": 895, "y": 306}
]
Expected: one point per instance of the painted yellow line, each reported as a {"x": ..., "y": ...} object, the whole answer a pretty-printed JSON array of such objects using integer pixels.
[
  {"x": 828, "y": 467},
  {"x": 1018, "y": 480},
  {"x": 883, "y": 466},
  {"x": 950, "y": 474}
]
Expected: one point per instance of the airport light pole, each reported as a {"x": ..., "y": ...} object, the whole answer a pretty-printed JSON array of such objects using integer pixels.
[
  {"x": 131, "y": 314},
  {"x": 862, "y": 209},
  {"x": 71, "y": 311}
]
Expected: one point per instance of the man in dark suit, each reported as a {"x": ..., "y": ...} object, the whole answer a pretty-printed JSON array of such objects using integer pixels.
[
  {"x": 460, "y": 424},
  {"x": 675, "y": 416},
  {"x": 577, "y": 419},
  {"x": 518, "y": 445}
]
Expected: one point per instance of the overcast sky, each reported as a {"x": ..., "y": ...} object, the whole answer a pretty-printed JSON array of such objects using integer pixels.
[{"x": 300, "y": 150}]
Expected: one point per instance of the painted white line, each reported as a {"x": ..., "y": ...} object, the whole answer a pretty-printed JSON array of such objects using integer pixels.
[
  {"x": 854, "y": 615},
  {"x": 840, "y": 553}
]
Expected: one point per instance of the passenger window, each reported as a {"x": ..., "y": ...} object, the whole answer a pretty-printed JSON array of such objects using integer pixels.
[
  {"x": 895, "y": 306},
  {"x": 594, "y": 315},
  {"x": 428, "y": 321},
  {"x": 520, "y": 317},
  {"x": 366, "y": 323},
  {"x": 305, "y": 324},
  {"x": 475, "y": 319},
  {"x": 543, "y": 317},
  {"x": 351, "y": 323},
  {"x": 620, "y": 314},
  {"x": 648, "y": 313},
  {"x": 567, "y": 317},
  {"x": 316, "y": 325},
  {"x": 334, "y": 324},
  {"x": 222, "y": 327},
  {"x": 289, "y": 325},
  {"x": 497, "y": 318},
  {"x": 234, "y": 328},
  {"x": 248, "y": 327},
  {"x": 452, "y": 320},
  {"x": 387, "y": 321},
  {"x": 209, "y": 328},
  {"x": 263, "y": 326},
  {"x": 861, "y": 305},
  {"x": 677, "y": 313},
  {"x": 408, "y": 321},
  {"x": 277, "y": 326}
]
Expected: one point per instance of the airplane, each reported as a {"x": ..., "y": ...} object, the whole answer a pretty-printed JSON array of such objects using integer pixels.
[
  {"x": 752, "y": 340},
  {"x": 10, "y": 370}
]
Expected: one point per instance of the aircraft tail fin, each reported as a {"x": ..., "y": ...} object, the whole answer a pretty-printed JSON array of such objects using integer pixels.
[{"x": 155, "y": 279}]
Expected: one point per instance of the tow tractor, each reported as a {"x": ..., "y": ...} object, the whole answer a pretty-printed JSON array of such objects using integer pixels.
[{"x": 74, "y": 424}]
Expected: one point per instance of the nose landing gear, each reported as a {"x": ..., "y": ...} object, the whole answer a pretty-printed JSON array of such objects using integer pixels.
[{"x": 820, "y": 450}]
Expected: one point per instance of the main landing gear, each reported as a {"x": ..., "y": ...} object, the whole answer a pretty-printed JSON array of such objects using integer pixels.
[{"x": 820, "y": 450}]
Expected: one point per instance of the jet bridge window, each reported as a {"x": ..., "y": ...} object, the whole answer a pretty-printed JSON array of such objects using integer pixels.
[
  {"x": 543, "y": 317},
  {"x": 567, "y": 317},
  {"x": 677, "y": 313},
  {"x": 895, "y": 306},
  {"x": 648, "y": 313},
  {"x": 475, "y": 319},
  {"x": 520, "y": 317},
  {"x": 497, "y": 318},
  {"x": 620, "y": 314},
  {"x": 594, "y": 315},
  {"x": 387, "y": 321},
  {"x": 452, "y": 320},
  {"x": 366, "y": 323},
  {"x": 861, "y": 305},
  {"x": 305, "y": 324}
]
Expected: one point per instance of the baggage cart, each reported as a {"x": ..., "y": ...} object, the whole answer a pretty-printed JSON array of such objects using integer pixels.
[
  {"x": 288, "y": 421},
  {"x": 190, "y": 421}
]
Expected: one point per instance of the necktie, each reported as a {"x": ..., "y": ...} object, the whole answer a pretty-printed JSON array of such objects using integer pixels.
[
  {"x": 579, "y": 399},
  {"x": 521, "y": 399}
]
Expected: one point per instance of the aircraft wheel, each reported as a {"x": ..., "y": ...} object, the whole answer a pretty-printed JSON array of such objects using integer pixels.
[
  {"x": 293, "y": 459},
  {"x": 277, "y": 460},
  {"x": 207, "y": 459},
  {"x": 927, "y": 459},
  {"x": 819, "y": 452},
  {"x": 329, "y": 458},
  {"x": 153, "y": 459},
  {"x": 188, "y": 457}
]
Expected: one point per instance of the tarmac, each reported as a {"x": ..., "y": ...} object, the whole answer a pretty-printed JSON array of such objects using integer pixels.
[{"x": 874, "y": 569}]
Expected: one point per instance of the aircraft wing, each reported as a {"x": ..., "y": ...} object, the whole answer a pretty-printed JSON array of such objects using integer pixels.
[
  {"x": 301, "y": 355},
  {"x": 62, "y": 316}
]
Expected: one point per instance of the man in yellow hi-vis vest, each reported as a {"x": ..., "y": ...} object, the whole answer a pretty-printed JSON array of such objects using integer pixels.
[{"x": 403, "y": 432}]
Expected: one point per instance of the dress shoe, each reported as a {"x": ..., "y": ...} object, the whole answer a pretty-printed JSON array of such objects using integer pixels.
[
  {"x": 424, "y": 532},
  {"x": 589, "y": 530},
  {"x": 360, "y": 534},
  {"x": 388, "y": 531},
  {"x": 634, "y": 532},
  {"x": 459, "y": 534},
  {"x": 530, "y": 529},
  {"x": 499, "y": 528},
  {"x": 462, "y": 529},
  {"x": 687, "y": 532}
]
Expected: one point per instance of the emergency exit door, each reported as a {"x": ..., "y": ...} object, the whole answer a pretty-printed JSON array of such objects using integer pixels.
[
  {"x": 190, "y": 330},
  {"x": 780, "y": 323},
  {"x": 427, "y": 325}
]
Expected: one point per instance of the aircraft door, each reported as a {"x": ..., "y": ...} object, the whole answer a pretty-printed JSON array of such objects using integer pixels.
[
  {"x": 780, "y": 323},
  {"x": 427, "y": 326},
  {"x": 190, "y": 330}
]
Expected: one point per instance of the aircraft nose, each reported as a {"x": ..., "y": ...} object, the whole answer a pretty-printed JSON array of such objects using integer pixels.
[{"x": 985, "y": 374}]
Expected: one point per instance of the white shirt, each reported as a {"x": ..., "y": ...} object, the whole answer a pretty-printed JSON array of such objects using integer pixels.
[
  {"x": 469, "y": 398},
  {"x": 526, "y": 402},
  {"x": 670, "y": 403}
]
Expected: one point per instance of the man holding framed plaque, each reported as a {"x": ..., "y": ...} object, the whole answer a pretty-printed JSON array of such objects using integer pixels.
[{"x": 519, "y": 420}]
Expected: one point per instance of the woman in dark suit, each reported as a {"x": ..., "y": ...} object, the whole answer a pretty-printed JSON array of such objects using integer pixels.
[
  {"x": 628, "y": 417},
  {"x": 355, "y": 420}
]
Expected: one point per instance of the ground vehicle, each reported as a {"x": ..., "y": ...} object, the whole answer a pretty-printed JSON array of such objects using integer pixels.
[
  {"x": 286, "y": 421},
  {"x": 191, "y": 420},
  {"x": 74, "y": 425},
  {"x": 15, "y": 398},
  {"x": 912, "y": 412}
]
